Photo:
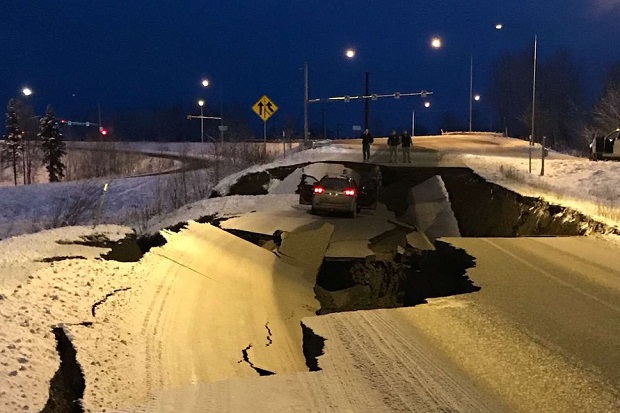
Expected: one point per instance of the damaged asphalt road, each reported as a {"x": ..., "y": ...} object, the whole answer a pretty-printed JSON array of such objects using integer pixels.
[{"x": 176, "y": 327}]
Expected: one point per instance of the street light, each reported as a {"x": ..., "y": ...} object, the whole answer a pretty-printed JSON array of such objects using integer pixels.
[
  {"x": 27, "y": 91},
  {"x": 350, "y": 54},
  {"x": 499, "y": 26},
  {"x": 436, "y": 43},
  {"x": 201, "y": 103},
  {"x": 427, "y": 104},
  {"x": 205, "y": 82}
]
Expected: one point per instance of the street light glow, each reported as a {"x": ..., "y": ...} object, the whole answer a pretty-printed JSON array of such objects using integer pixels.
[
  {"x": 205, "y": 82},
  {"x": 201, "y": 103},
  {"x": 350, "y": 53},
  {"x": 476, "y": 97},
  {"x": 427, "y": 104},
  {"x": 436, "y": 42},
  {"x": 499, "y": 26},
  {"x": 27, "y": 91}
]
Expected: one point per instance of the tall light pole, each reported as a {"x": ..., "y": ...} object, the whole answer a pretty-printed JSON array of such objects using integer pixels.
[
  {"x": 201, "y": 103},
  {"x": 306, "y": 97},
  {"x": 205, "y": 83},
  {"x": 533, "y": 102}
]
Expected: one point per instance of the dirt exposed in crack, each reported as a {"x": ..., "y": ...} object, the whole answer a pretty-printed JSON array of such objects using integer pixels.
[
  {"x": 363, "y": 284},
  {"x": 68, "y": 384}
]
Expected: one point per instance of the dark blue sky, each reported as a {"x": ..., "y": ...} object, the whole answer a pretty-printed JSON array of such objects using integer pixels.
[{"x": 141, "y": 53}]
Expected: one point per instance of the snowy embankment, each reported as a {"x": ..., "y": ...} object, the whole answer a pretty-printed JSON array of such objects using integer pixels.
[{"x": 134, "y": 202}]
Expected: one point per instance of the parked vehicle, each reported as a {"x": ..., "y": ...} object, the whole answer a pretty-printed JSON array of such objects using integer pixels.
[
  {"x": 337, "y": 193},
  {"x": 606, "y": 147}
]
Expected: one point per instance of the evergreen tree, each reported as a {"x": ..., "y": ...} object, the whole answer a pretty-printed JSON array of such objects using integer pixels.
[
  {"x": 13, "y": 145},
  {"x": 52, "y": 145}
]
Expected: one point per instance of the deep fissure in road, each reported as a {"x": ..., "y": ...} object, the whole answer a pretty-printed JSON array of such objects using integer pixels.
[
  {"x": 484, "y": 209},
  {"x": 68, "y": 384},
  {"x": 409, "y": 279},
  {"x": 313, "y": 347}
]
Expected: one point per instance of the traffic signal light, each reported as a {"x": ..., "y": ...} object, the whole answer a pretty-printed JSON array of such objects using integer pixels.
[{"x": 103, "y": 130}]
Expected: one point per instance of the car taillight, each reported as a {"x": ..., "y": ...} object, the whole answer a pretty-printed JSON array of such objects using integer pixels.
[
  {"x": 319, "y": 189},
  {"x": 350, "y": 192}
]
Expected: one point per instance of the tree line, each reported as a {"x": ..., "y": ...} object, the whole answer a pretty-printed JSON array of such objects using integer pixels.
[
  {"x": 562, "y": 112},
  {"x": 30, "y": 141}
]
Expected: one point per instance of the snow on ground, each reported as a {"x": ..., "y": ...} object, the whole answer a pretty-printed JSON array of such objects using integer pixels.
[
  {"x": 128, "y": 201},
  {"x": 591, "y": 188},
  {"x": 36, "y": 295}
]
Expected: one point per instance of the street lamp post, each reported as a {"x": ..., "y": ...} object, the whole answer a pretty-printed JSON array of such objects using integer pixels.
[
  {"x": 306, "y": 97},
  {"x": 533, "y": 103},
  {"x": 202, "y": 124},
  {"x": 349, "y": 54},
  {"x": 427, "y": 104}
]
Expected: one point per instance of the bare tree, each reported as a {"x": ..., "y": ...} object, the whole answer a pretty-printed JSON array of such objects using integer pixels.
[{"x": 606, "y": 113}]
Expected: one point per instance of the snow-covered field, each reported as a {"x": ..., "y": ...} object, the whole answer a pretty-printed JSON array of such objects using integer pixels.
[{"x": 36, "y": 295}]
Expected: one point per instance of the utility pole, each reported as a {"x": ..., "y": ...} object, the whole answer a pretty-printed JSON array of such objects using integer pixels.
[
  {"x": 323, "y": 119},
  {"x": 471, "y": 86},
  {"x": 367, "y": 102},
  {"x": 306, "y": 97},
  {"x": 533, "y": 101}
]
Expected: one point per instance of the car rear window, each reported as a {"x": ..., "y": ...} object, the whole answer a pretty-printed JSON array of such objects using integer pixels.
[{"x": 338, "y": 184}]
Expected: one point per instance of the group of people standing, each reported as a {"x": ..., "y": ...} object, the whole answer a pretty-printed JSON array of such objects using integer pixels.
[{"x": 394, "y": 141}]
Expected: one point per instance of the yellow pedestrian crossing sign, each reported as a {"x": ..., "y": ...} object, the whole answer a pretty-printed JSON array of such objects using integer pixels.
[{"x": 264, "y": 108}]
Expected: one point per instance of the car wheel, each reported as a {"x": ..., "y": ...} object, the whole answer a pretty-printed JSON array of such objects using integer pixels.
[
  {"x": 352, "y": 213},
  {"x": 313, "y": 211}
]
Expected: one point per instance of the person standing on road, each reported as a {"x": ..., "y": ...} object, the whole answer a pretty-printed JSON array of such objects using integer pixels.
[
  {"x": 405, "y": 141},
  {"x": 393, "y": 142},
  {"x": 366, "y": 141}
]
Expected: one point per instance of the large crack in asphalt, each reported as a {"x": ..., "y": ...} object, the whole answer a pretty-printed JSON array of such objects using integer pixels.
[
  {"x": 313, "y": 346},
  {"x": 410, "y": 279},
  {"x": 104, "y": 299},
  {"x": 246, "y": 359},
  {"x": 68, "y": 384}
]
